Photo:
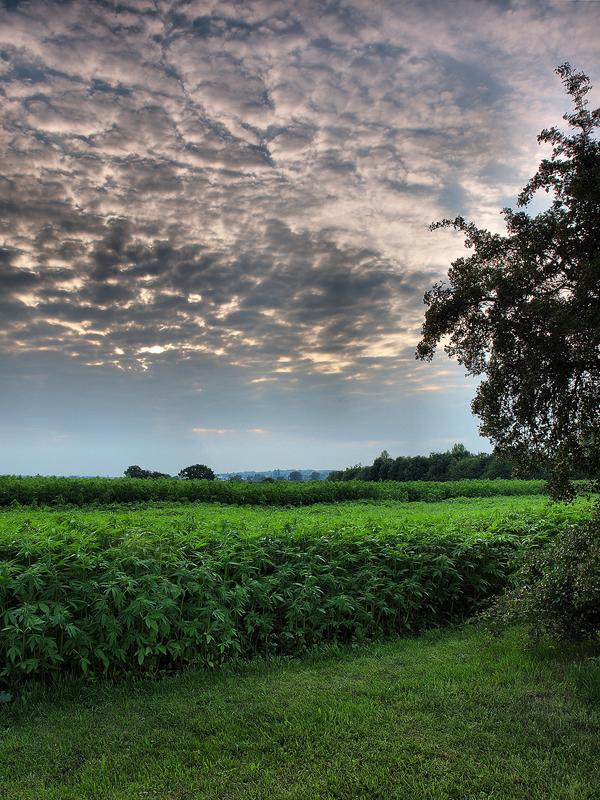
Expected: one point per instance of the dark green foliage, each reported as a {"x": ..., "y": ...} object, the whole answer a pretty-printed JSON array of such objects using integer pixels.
[
  {"x": 518, "y": 515},
  {"x": 41, "y": 490},
  {"x": 557, "y": 589},
  {"x": 77, "y": 600},
  {"x": 454, "y": 464},
  {"x": 197, "y": 472},
  {"x": 524, "y": 310},
  {"x": 137, "y": 472}
]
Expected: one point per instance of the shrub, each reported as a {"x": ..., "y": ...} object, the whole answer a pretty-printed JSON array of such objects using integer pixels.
[{"x": 556, "y": 591}]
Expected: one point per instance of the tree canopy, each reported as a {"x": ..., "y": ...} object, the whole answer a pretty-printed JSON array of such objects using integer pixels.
[
  {"x": 523, "y": 310},
  {"x": 136, "y": 471},
  {"x": 197, "y": 472},
  {"x": 455, "y": 464}
]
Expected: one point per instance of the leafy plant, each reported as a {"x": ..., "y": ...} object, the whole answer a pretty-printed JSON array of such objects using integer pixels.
[
  {"x": 83, "y": 491},
  {"x": 101, "y": 602},
  {"x": 556, "y": 591}
]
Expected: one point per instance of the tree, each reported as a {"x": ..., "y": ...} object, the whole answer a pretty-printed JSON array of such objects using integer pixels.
[
  {"x": 524, "y": 310},
  {"x": 197, "y": 472},
  {"x": 459, "y": 451},
  {"x": 295, "y": 476},
  {"x": 382, "y": 466},
  {"x": 137, "y": 472},
  {"x": 465, "y": 467},
  {"x": 495, "y": 468},
  {"x": 416, "y": 468},
  {"x": 314, "y": 476}
]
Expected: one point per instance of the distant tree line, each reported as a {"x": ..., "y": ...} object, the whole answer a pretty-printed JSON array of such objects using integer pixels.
[
  {"x": 193, "y": 472},
  {"x": 202, "y": 472},
  {"x": 452, "y": 465},
  {"x": 294, "y": 476}
]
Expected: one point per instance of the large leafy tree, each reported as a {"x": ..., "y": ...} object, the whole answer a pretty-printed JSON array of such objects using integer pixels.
[
  {"x": 523, "y": 310},
  {"x": 197, "y": 472}
]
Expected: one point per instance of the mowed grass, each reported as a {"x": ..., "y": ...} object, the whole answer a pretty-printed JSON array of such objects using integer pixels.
[
  {"x": 506, "y": 514},
  {"x": 451, "y": 714}
]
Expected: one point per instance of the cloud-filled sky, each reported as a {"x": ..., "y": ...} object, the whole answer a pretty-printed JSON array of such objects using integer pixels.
[{"x": 213, "y": 219}]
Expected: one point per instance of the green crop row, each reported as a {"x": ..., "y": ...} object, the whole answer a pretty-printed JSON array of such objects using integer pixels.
[
  {"x": 140, "y": 605},
  {"x": 203, "y": 521},
  {"x": 97, "y": 599},
  {"x": 84, "y": 491}
]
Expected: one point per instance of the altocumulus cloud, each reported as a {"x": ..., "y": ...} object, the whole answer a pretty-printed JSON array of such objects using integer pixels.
[{"x": 251, "y": 183}]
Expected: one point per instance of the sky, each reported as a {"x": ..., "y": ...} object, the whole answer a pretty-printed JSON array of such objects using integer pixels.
[{"x": 214, "y": 219}]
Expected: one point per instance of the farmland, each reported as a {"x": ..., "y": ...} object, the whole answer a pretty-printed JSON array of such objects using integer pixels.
[
  {"x": 168, "y": 635},
  {"x": 112, "y": 591},
  {"x": 104, "y": 491},
  {"x": 200, "y": 522}
]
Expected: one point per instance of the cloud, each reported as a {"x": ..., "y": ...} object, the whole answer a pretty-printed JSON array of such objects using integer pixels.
[
  {"x": 253, "y": 182},
  {"x": 220, "y": 431},
  {"x": 212, "y": 430}
]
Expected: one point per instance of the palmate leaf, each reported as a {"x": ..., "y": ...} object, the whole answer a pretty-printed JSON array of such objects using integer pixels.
[{"x": 204, "y": 601}]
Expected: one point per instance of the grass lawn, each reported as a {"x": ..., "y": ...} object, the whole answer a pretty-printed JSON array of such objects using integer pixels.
[{"x": 450, "y": 714}]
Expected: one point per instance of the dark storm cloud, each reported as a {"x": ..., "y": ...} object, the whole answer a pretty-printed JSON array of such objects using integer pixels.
[{"x": 252, "y": 182}]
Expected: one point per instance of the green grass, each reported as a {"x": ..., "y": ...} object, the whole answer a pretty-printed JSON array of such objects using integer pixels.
[
  {"x": 451, "y": 715},
  {"x": 205, "y": 520}
]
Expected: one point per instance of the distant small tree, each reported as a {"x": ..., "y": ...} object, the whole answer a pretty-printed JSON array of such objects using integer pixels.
[
  {"x": 382, "y": 467},
  {"x": 295, "y": 476},
  {"x": 136, "y": 471},
  {"x": 438, "y": 466},
  {"x": 197, "y": 472},
  {"x": 314, "y": 476},
  {"x": 459, "y": 451}
]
